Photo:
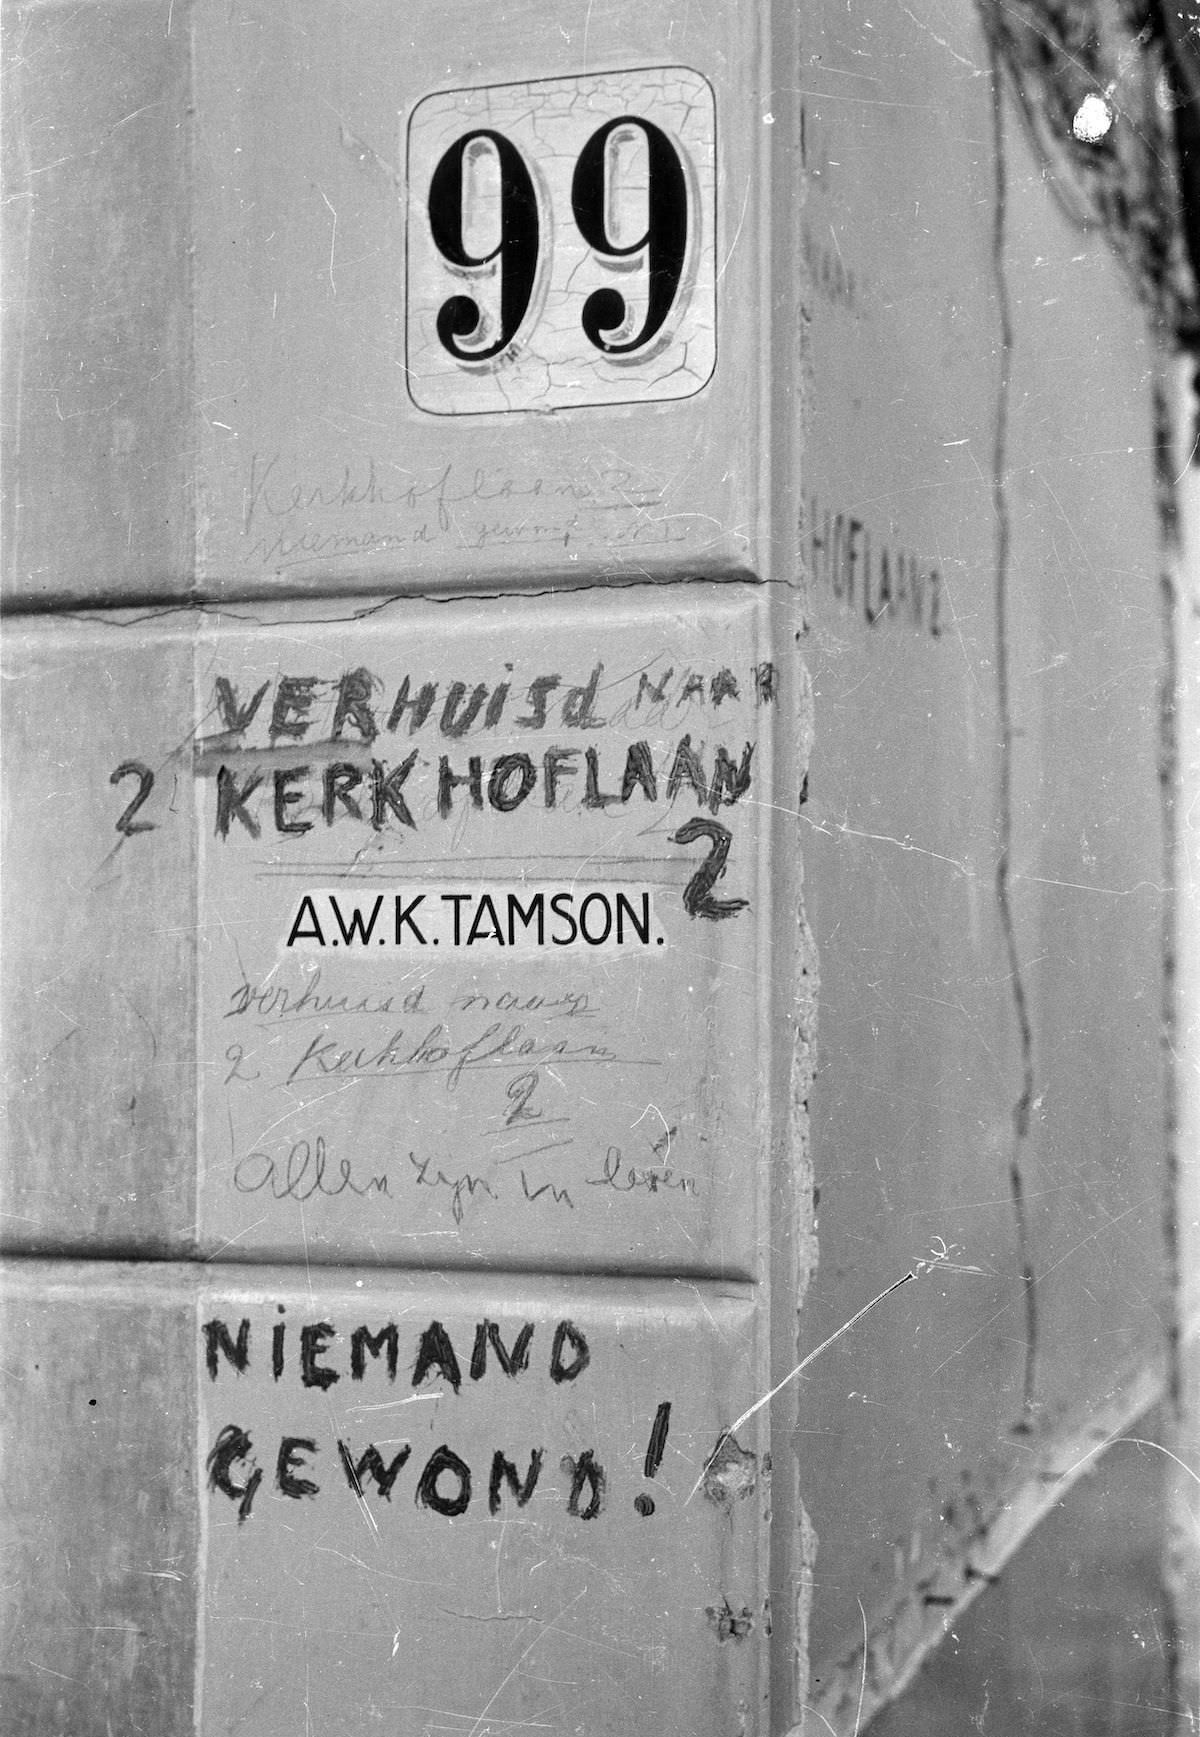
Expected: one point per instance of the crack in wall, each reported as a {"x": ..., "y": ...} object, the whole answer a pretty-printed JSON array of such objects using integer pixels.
[
  {"x": 1023, "y": 1108},
  {"x": 114, "y": 609}
]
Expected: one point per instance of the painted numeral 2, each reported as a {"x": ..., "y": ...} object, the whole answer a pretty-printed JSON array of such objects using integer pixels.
[
  {"x": 698, "y": 898},
  {"x": 134, "y": 769}
]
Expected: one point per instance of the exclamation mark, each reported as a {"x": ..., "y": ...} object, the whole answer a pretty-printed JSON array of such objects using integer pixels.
[{"x": 655, "y": 1448}]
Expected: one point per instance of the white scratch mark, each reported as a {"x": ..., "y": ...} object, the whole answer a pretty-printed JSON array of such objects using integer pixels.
[
  {"x": 1137, "y": 1441},
  {"x": 766, "y": 1399},
  {"x": 332, "y": 239},
  {"x": 809, "y": 1708},
  {"x": 389, "y": 1404},
  {"x": 229, "y": 1240},
  {"x": 862, "y": 1682},
  {"x": 662, "y": 1119},
  {"x": 942, "y": 43},
  {"x": 49, "y": 1672},
  {"x": 939, "y": 1256},
  {"x": 725, "y": 263}
]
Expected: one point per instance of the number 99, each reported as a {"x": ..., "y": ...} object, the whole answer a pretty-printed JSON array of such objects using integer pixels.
[{"x": 482, "y": 192}]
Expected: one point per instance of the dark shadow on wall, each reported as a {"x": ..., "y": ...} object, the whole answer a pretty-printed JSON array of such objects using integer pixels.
[{"x": 1134, "y": 176}]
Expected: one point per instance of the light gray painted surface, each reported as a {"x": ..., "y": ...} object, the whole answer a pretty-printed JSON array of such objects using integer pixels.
[
  {"x": 986, "y": 843},
  {"x": 215, "y": 376}
]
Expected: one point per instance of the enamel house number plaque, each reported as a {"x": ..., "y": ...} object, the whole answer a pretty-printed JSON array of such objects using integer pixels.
[{"x": 561, "y": 243}]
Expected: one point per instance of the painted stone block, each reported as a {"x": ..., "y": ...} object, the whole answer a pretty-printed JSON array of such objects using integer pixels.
[
  {"x": 438, "y": 935},
  {"x": 264, "y": 1500}
]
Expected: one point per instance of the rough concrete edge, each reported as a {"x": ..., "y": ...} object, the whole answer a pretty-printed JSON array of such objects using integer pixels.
[
  {"x": 1179, "y": 771},
  {"x": 799, "y": 1169},
  {"x": 789, "y": 402}
]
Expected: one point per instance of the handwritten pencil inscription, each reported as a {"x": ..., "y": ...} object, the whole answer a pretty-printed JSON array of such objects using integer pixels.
[{"x": 479, "y": 923}]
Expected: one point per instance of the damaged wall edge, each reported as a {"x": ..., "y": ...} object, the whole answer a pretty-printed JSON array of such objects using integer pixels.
[{"x": 1178, "y": 405}]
